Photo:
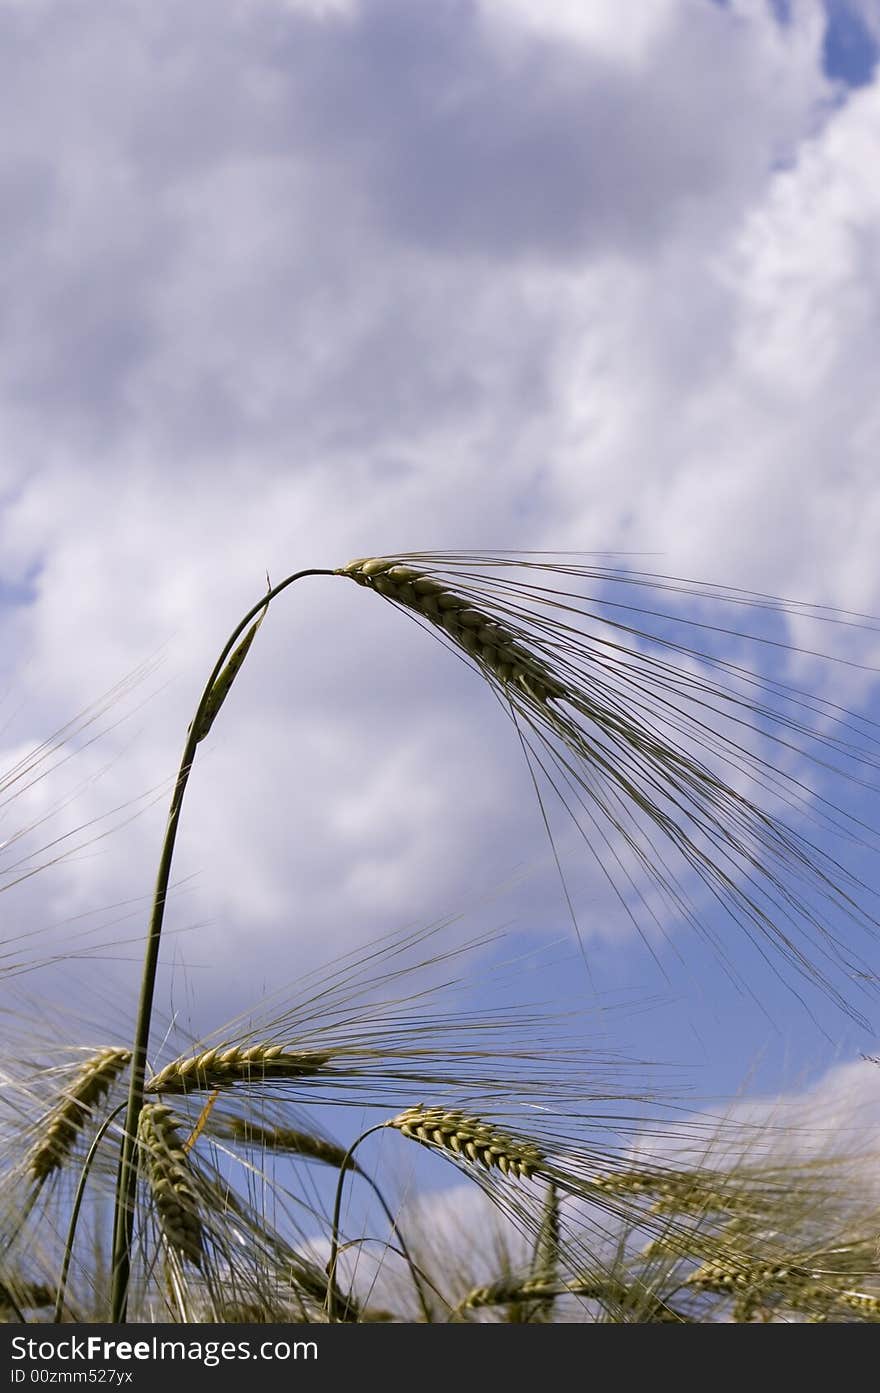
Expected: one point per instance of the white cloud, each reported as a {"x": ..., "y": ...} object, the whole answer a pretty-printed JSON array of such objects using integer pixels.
[
  {"x": 626, "y": 36},
  {"x": 284, "y": 287},
  {"x": 833, "y": 1122}
]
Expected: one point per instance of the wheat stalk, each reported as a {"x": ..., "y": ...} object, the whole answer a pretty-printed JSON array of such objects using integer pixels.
[
  {"x": 73, "y": 1110},
  {"x": 469, "y": 1139},
  {"x": 213, "y": 695},
  {"x": 219, "y": 1068},
  {"x": 546, "y": 1255},
  {"x": 171, "y": 1181}
]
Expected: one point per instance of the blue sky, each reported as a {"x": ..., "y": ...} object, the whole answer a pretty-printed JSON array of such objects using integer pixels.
[
  {"x": 850, "y": 48},
  {"x": 315, "y": 279}
]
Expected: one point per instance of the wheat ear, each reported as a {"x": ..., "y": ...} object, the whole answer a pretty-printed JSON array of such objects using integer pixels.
[
  {"x": 73, "y": 1109},
  {"x": 513, "y": 1291},
  {"x": 509, "y": 1290},
  {"x": 683, "y": 1192},
  {"x": 859, "y": 1302},
  {"x": 482, "y": 638},
  {"x": 171, "y": 1182},
  {"x": 797, "y": 1287},
  {"x": 734, "y": 1276},
  {"x": 219, "y": 1068},
  {"x": 292, "y": 1142},
  {"x": 469, "y": 1139}
]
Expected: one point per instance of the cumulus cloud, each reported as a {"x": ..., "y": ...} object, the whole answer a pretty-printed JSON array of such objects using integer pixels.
[{"x": 289, "y": 283}]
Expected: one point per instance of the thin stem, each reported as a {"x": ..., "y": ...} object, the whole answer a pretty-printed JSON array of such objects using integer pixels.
[
  {"x": 337, "y": 1213},
  {"x": 74, "y": 1213},
  {"x": 128, "y": 1165},
  {"x": 332, "y": 1290},
  {"x": 401, "y": 1252},
  {"x": 404, "y": 1251}
]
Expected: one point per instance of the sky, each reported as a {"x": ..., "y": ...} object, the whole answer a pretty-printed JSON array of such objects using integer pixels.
[{"x": 294, "y": 281}]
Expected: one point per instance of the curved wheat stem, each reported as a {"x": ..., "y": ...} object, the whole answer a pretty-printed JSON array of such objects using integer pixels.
[{"x": 213, "y": 694}]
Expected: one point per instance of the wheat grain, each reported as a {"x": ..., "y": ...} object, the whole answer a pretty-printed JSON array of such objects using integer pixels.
[
  {"x": 171, "y": 1182},
  {"x": 220, "y": 1068},
  {"x": 469, "y": 1139},
  {"x": 482, "y": 638},
  {"x": 73, "y": 1110}
]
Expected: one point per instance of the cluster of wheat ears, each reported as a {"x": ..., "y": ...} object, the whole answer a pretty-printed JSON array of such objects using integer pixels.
[{"x": 682, "y": 771}]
